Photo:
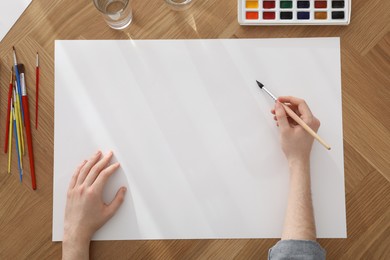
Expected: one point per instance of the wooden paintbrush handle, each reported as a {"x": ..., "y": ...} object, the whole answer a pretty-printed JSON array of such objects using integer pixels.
[{"x": 302, "y": 123}]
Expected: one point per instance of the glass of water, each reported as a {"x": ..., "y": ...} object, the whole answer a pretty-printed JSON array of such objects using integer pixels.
[
  {"x": 117, "y": 13},
  {"x": 179, "y": 4}
]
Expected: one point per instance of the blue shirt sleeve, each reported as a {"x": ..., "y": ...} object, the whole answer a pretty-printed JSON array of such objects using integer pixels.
[{"x": 297, "y": 249}]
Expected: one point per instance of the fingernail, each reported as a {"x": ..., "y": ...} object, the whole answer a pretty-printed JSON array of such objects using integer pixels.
[
  {"x": 98, "y": 152},
  {"x": 124, "y": 189}
]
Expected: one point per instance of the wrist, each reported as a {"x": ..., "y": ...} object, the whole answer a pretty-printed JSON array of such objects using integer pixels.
[
  {"x": 299, "y": 163},
  {"x": 76, "y": 242},
  {"x": 75, "y": 246}
]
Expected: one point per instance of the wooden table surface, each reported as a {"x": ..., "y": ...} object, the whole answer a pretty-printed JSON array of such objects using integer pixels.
[{"x": 26, "y": 215}]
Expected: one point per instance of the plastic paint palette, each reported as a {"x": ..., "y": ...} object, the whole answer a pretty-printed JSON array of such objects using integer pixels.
[{"x": 294, "y": 12}]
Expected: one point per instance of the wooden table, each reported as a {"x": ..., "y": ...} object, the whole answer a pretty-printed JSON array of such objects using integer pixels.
[{"x": 26, "y": 215}]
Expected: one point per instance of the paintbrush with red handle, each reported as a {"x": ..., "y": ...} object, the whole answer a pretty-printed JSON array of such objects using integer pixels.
[
  {"x": 27, "y": 125},
  {"x": 36, "y": 90}
]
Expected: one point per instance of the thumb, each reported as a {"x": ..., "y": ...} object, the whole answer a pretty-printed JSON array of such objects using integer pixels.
[
  {"x": 116, "y": 202},
  {"x": 281, "y": 116}
]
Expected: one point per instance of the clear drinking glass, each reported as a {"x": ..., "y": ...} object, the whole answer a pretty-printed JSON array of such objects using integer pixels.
[
  {"x": 179, "y": 4},
  {"x": 117, "y": 13}
]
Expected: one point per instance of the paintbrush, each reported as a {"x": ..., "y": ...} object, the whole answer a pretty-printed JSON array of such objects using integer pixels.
[
  {"x": 28, "y": 125},
  {"x": 296, "y": 118},
  {"x": 8, "y": 110},
  {"x": 37, "y": 71}
]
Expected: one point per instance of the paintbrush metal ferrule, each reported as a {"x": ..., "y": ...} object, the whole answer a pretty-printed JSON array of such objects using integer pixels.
[
  {"x": 269, "y": 93},
  {"x": 37, "y": 61}
]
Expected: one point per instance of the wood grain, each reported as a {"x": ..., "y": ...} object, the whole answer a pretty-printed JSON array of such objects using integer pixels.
[{"x": 26, "y": 216}]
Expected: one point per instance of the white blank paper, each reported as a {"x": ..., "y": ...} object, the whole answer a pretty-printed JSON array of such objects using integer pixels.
[
  {"x": 10, "y": 10},
  {"x": 198, "y": 147}
]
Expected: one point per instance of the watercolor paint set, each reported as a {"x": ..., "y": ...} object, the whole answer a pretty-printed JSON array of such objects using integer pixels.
[{"x": 294, "y": 12}]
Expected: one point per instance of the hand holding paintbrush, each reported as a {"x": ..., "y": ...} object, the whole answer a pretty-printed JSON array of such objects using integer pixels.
[
  {"x": 301, "y": 108},
  {"x": 295, "y": 141}
]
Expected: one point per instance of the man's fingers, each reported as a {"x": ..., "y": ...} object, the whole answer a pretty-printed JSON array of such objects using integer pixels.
[
  {"x": 87, "y": 167},
  {"x": 116, "y": 202},
  {"x": 281, "y": 116},
  {"x": 76, "y": 174},
  {"x": 97, "y": 168},
  {"x": 104, "y": 175},
  {"x": 294, "y": 103},
  {"x": 303, "y": 109},
  {"x": 290, "y": 99}
]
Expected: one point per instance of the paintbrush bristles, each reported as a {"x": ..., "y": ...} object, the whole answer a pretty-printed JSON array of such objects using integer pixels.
[
  {"x": 21, "y": 68},
  {"x": 260, "y": 84},
  {"x": 14, "y": 54}
]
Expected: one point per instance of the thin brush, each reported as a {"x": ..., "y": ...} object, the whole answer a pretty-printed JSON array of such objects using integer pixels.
[
  {"x": 28, "y": 125},
  {"x": 10, "y": 129},
  {"x": 36, "y": 90},
  {"x": 8, "y": 110}
]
